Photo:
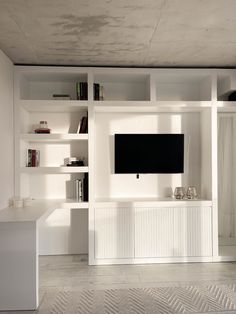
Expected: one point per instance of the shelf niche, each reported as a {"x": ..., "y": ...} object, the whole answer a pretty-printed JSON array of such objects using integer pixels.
[
  {"x": 226, "y": 84},
  {"x": 183, "y": 87},
  {"x": 197, "y": 155},
  {"x": 42, "y": 86},
  {"x": 124, "y": 86},
  {"x": 48, "y": 186}
]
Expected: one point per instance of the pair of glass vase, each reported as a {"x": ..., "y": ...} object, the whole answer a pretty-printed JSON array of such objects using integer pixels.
[{"x": 182, "y": 193}]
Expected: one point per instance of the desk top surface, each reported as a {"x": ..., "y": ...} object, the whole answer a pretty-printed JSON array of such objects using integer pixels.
[{"x": 38, "y": 210}]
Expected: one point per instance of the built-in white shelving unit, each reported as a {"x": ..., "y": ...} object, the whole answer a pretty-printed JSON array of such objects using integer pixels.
[
  {"x": 135, "y": 101},
  {"x": 124, "y": 220}
]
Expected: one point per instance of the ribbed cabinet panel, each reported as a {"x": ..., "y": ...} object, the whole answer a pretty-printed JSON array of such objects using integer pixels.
[
  {"x": 154, "y": 232},
  {"x": 114, "y": 233},
  {"x": 173, "y": 232},
  {"x": 192, "y": 231}
]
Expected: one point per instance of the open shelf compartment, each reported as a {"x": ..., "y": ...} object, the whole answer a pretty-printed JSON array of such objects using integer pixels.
[
  {"x": 196, "y": 127},
  {"x": 124, "y": 87},
  {"x": 43, "y": 85},
  {"x": 183, "y": 87}
]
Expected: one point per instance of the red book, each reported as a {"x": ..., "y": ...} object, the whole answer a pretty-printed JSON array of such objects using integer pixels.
[{"x": 33, "y": 158}]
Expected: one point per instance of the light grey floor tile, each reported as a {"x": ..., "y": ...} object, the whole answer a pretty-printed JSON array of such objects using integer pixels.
[{"x": 72, "y": 273}]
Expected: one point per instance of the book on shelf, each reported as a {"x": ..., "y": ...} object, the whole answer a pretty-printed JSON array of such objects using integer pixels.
[
  {"x": 83, "y": 125},
  {"x": 85, "y": 188},
  {"x": 82, "y": 91},
  {"x": 33, "y": 158},
  {"x": 98, "y": 91},
  {"x": 61, "y": 97}
]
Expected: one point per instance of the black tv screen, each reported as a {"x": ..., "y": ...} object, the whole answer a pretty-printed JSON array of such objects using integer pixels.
[{"x": 149, "y": 153}]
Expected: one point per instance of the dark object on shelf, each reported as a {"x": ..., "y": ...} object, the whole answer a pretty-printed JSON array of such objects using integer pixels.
[
  {"x": 84, "y": 125},
  {"x": 85, "y": 188},
  {"x": 77, "y": 163},
  {"x": 82, "y": 91},
  {"x": 232, "y": 96},
  {"x": 43, "y": 128},
  {"x": 74, "y": 162},
  {"x": 33, "y": 158},
  {"x": 98, "y": 91},
  {"x": 61, "y": 97},
  {"x": 40, "y": 131}
]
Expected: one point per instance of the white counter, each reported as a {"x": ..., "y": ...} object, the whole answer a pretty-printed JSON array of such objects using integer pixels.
[
  {"x": 155, "y": 202},
  {"x": 19, "y": 254},
  {"x": 38, "y": 210}
]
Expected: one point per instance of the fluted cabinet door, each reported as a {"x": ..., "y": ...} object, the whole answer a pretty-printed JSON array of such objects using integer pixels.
[
  {"x": 154, "y": 232},
  {"x": 173, "y": 232},
  {"x": 192, "y": 231},
  {"x": 114, "y": 233}
]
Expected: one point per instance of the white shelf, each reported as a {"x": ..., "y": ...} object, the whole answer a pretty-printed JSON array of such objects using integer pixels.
[
  {"x": 183, "y": 104},
  {"x": 72, "y": 203},
  {"x": 151, "y": 106},
  {"x": 52, "y": 170},
  {"x": 54, "y": 105},
  {"x": 156, "y": 202},
  {"x": 53, "y": 137},
  {"x": 112, "y": 103},
  {"x": 226, "y": 106},
  {"x": 167, "y": 103}
]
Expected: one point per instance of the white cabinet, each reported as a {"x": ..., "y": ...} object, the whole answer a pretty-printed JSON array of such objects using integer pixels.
[
  {"x": 192, "y": 231},
  {"x": 173, "y": 232},
  {"x": 154, "y": 232},
  {"x": 114, "y": 236}
]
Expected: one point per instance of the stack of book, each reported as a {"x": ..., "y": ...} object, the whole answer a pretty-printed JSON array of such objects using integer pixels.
[
  {"x": 33, "y": 158},
  {"x": 82, "y": 90}
]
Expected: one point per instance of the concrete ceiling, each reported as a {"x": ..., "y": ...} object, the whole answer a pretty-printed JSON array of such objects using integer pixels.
[{"x": 148, "y": 33}]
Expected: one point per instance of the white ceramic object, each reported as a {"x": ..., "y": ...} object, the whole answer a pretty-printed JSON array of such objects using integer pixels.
[
  {"x": 27, "y": 202},
  {"x": 17, "y": 202}
]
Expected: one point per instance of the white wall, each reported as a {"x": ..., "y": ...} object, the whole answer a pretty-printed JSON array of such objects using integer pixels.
[{"x": 6, "y": 131}]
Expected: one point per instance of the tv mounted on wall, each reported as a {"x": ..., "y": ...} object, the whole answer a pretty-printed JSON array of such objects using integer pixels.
[{"x": 149, "y": 153}]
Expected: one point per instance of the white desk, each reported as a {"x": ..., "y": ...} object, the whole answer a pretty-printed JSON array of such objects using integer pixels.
[{"x": 19, "y": 254}]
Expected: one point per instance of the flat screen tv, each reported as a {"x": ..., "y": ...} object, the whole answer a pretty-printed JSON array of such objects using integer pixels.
[{"x": 149, "y": 153}]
